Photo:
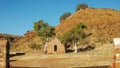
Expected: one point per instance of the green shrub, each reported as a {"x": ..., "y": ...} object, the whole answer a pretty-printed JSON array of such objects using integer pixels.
[
  {"x": 81, "y": 6},
  {"x": 34, "y": 46},
  {"x": 65, "y": 15},
  {"x": 38, "y": 47}
]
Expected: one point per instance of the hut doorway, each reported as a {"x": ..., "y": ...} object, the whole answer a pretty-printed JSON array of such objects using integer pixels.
[{"x": 55, "y": 48}]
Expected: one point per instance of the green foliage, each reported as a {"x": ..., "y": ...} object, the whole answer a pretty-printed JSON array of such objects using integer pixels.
[
  {"x": 81, "y": 6},
  {"x": 34, "y": 46},
  {"x": 28, "y": 31},
  {"x": 43, "y": 29},
  {"x": 74, "y": 35},
  {"x": 38, "y": 47},
  {"x": 65, "y": 15},
  {"x": 65, "y": 38}
]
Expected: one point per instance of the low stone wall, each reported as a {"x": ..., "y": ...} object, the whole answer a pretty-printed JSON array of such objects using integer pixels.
[{"x": 4, "y": 54}]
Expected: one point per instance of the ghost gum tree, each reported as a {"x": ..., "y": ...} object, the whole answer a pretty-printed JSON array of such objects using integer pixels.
[
  {"x": 73, "y": 36},
  {"x": 44, "y": 30}
]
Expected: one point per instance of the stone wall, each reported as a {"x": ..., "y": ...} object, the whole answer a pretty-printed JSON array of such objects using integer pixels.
[
  {"x": 55, "y": 43},
  {"x": 4, "y": 53}
]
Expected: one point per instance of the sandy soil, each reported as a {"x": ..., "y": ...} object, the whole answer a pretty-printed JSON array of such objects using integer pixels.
[
  {"x": 59, "y": 60},
  {"x": 100, "y": 56}
]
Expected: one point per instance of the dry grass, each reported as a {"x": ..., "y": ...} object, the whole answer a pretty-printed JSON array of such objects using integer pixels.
[
  {"x": 103, "y": 24},
  {"x": 105, "y": 50},
  {"x": 24, "y": 45},
  {"x": 100, "y": 56}
]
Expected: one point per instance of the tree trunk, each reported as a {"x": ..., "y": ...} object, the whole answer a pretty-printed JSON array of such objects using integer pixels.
[
  {"x": 75, "y": 46},
  {"x": 45, "y": 49}
]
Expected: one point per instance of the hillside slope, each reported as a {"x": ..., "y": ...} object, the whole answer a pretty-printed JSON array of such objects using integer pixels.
[
  {"x": 29, "y": 43},
  {"x": 102, "y": 23},
  {"x": 12, "y": 38}
]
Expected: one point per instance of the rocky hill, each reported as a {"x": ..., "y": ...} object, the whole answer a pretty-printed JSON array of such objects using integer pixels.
[
  {"x": 12, "y": 38},
  {"x": 29, "y": 43},
  {"x": 102, "y": 23}
]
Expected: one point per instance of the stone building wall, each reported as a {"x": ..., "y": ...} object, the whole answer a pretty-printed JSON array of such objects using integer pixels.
[
  {"x": 4, "y": 54},
  {"x": 55, "y": 46}
]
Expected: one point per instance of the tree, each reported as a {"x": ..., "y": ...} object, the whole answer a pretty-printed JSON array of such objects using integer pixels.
[
  {"x": 44, "y": 30},
  {"x": 81, "y": 6},
  {"x": 65, "y": 15},
  {"x": 74, "y": 35}
]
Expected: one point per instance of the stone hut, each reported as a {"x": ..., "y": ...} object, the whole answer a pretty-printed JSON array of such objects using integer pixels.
[
  {"x": 55, "y": 47},
  {"x": 4, "y": 54}
]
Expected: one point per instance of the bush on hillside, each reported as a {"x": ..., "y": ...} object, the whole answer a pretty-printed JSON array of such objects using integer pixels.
[
  {"x": 65, "y": 15},
  {"x": 34, "y": 46},
  {"x": 81, "y": 6}
]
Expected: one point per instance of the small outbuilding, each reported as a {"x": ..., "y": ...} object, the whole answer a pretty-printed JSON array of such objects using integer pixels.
[{"x": 55, "y": 47}]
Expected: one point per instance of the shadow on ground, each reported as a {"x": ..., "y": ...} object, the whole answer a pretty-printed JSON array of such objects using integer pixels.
[
  {"x": 81, "y": 49},
  {"x": 86, "y": 48},
  {"x": 17, "y": 54}
]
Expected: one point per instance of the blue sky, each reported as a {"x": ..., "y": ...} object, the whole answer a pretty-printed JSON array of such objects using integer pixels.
[{"x": 18, "y": 16}]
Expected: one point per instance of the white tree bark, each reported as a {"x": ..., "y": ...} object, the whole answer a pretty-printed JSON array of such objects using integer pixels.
[
  {"x": 75, "y": 47},
  {"x": 45, "y": 47}
]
